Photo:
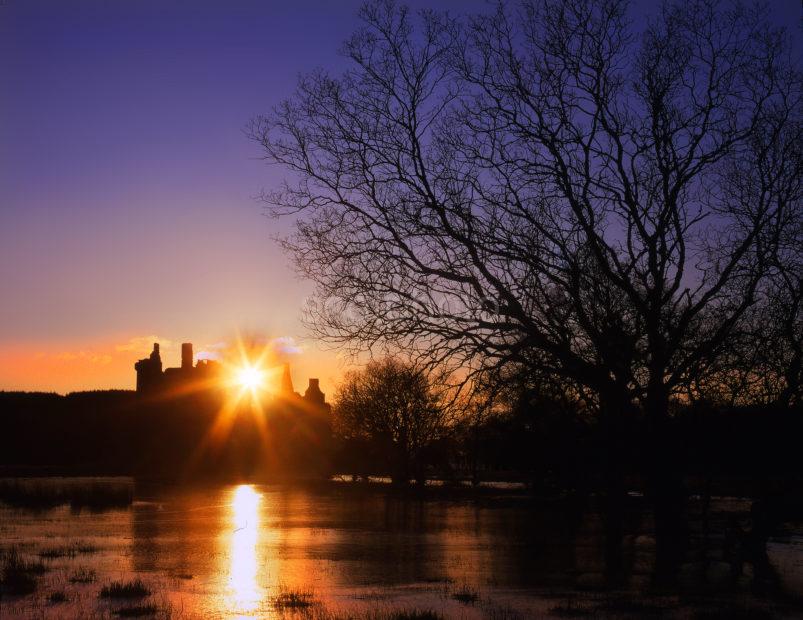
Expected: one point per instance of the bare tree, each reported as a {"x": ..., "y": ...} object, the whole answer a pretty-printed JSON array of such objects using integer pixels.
[
  {"x": 763, "y": 364},
  {"x": 394, "y": 404},
  {"x": 546, "y": 186}
]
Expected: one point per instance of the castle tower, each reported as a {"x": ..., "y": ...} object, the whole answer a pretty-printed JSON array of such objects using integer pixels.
[
  {"x": 186, "y": 355},
  {"x": 149, "y": 371},
  {"x": 313, "y": 395},
  {"x": 287, "y": 381}
]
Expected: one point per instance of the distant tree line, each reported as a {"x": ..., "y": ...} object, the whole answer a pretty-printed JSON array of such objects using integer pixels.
[
  {"x": 391, "y": 418},
  {"x": 198, "y": 435}
]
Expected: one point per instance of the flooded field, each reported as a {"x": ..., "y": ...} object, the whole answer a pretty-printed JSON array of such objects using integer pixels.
[{"x": 243, "y": 551}]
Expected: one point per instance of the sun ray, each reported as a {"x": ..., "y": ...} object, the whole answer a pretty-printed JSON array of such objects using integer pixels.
[{"x": 248, "y": 380}]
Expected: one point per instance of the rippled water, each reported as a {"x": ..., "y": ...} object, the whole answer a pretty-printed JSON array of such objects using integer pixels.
[{"x": 240, "y": 551}]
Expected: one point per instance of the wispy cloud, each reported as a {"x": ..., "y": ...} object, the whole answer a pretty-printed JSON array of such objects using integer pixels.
[
  {"x": 142, "y": 344},
  {"x": 286, "y": 345},
  {"x": 92, "y": 357},
  {"x": 214, "y": 351}
]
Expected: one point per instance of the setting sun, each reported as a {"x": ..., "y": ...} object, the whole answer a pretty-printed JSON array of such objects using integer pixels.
[{"x": 250, "y": 377}]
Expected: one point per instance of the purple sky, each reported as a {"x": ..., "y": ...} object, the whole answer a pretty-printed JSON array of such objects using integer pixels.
[{"x": 126, "y": 182}]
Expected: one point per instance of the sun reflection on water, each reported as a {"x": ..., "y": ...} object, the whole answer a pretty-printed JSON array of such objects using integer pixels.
[{"x": 245, "y": 593}]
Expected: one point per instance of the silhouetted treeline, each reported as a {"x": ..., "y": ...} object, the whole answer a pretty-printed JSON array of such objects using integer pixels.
[
  {"x": 743, "y": 450},
  {"x": 120, "y": 433},
  {"x": 534, "y": 441}
]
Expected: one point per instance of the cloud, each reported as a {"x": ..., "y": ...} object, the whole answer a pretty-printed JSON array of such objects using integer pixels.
[
  {"x": 214, "y": 351},
  {"x": 142, "y": 344},
  {"x": 86, "y": 356},
  {"x": 286, "y": 345},
  {"x": 220, "y": 346}
]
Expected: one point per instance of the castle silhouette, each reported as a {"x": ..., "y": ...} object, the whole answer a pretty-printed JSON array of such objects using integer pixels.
[{"x": 152, "y": 379}]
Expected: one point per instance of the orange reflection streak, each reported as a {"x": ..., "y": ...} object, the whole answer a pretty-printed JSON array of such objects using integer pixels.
[{"x": 244, "y": 592}]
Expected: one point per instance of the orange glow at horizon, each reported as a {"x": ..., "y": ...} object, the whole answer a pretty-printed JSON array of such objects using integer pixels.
[{"x": 108, "y": 363}]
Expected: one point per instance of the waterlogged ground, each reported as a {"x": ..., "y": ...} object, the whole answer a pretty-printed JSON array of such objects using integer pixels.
[{"x": 246, "y": 551}]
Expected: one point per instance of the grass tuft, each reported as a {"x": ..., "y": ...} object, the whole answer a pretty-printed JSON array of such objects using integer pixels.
[
  {"x": 85, "y": 548},
  {"x": 18, "y": 575},
  {"x": 137, "y": 611},
  {"x": 84, "y": 575},
  {"x": 571, "y": 609},
  {"x": 734, "y": 613},
  {"x": 413, "y": 615},
  {"x": 121, "y": 589},
  {"x": 466, "y": 595},
  {"x": 44, "y": 493},
  {"x": 293, "y": 599},
  {"x": 57, "y": 597},
  {"x": 66, "y": 551},
  {"x": 51, "y": 553}
]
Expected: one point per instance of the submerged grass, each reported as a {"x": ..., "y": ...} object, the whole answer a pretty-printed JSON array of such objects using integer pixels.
[{"x": 125, "y": 589}]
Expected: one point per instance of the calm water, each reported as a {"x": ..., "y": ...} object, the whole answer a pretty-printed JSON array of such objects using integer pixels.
[{"x": 234, "y": 551}]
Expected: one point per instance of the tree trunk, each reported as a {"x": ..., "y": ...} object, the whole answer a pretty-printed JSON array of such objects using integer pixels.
[
  {"x": 615, "y": 408},
  {"x": 665, "y": 485}
]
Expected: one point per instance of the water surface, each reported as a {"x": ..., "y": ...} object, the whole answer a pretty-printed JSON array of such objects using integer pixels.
[{"x": 234, "y": 551}]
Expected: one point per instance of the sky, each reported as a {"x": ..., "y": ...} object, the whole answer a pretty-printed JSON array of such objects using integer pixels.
[{"x": 127, "y": 186}]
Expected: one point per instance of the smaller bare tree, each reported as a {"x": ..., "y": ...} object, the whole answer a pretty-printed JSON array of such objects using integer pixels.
[{"x": 393, "y": 404}]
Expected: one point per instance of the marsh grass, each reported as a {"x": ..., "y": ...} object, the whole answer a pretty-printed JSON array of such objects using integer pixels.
[
  {"x": 572, "y": 609},
  {"x": 51, "y": 553},
  {"x": 123, "y": 589},
  {"x": 57, "y": 597},
  {"x": 634, "y": 606},
  {"x": 616, "y": 605},
  {"x": 137, "y": 611},
  {"x": 466, "y": 595},
  {"x": 83, "y": 575},
  {"x": 502, "y": 612},
  {"x": 378, "y": 614},
  {"x": 18, "y": 575},
  {"x": 407, "y": 615},
  {"x": 400, "y": 614},
  {"x": 66, "y": 551},
  {"x": 44, "y": 493},
  {"x": 294, "y": 599},
  {"x": 734, "y": 613}
]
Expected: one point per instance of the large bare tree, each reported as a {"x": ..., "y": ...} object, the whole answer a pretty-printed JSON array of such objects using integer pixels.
[{"x": 548, "y": 185}]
